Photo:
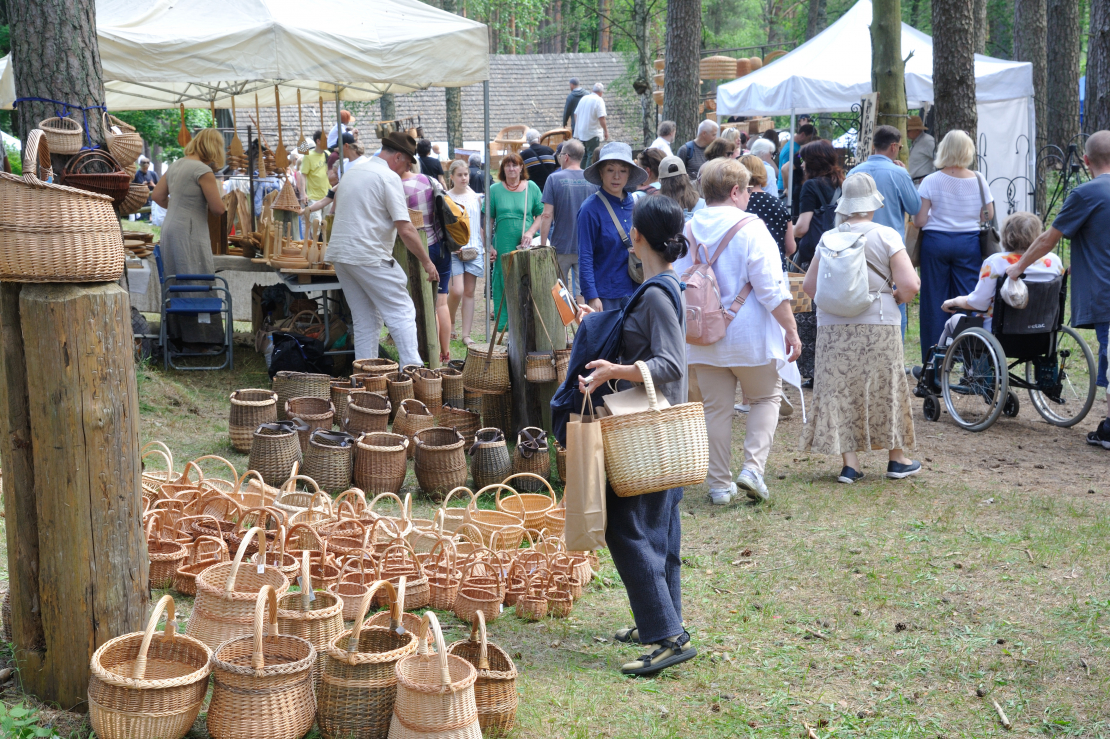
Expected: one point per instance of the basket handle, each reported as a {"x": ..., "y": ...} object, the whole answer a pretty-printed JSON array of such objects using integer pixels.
[
  {"x": 159, "y": 452},
  {"x": 266, "y": 595},
  {"x": 306, "y": 527},
  {"x": 551, "y": 490},
  {"x": 355, "y": 493},
  {"x": 164, "y": 604},
  {"x": 306, "y": 581},
  {"x": 478, "y": 628},
  {"x": 364, "y": 608},
  {"x": 220, "y": 554},
  {"x": 468, "y": 491},
  {"x": 466, "y": 525},
  {"x": 430, "y": 622},
  {"x": 255, "y": 531},
  {"x": 239, "y": 482},
  {"x": 36, "y": 155},
  {"x": 230, "y": 466},
  {"x": 157, "y": 445},
  {"x": 374, "y": 502},
  {"x": 649, "y": 386}
]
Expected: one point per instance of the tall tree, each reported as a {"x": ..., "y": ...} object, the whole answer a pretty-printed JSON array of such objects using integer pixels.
[
  {"x": 389, "y": 107},
  {"x": 981, "y": 26},
  {"x": 818, "y": 18},
  {"x": 888, "y": 69},
  {"x": 1064, "y": 45},
  {"x": 954, "y": 67},
  {"x": 604, "y": 35},
  {"x": 1030, "y": 32},
  {"x": 1096, "y": 107},
  {"x": 682, "y": 58},
  {"x": 453, "y": 97}
]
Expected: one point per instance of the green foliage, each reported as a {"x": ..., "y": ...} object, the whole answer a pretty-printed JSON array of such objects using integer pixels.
[
  {"x": 160, "y": 127},
  {"x": 20, "y": 722},
  {"x": 16, "y": 162}
]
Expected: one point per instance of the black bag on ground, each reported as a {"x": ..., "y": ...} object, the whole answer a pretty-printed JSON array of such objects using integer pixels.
[
  {"x": 297, "y": 353},
  {"x": 823, "y": 219}
]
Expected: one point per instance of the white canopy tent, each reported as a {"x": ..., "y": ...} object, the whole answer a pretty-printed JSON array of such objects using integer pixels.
[{"x": 832, "y": 71}]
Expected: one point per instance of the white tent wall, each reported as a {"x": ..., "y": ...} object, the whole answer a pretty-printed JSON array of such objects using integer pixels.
[{"x": 1004, "y": 132}]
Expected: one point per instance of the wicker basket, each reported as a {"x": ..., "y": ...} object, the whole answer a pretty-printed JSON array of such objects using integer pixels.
[
  {"x": 427, "y": 387},
  {"x": 530, "y": 506},
  {"x": 318, "y": 413},
  {"x": 64, "y": 136},
  {"x": 165, "y": 555},
  {"x": 562, "y": 364},
  {"x": 263, "y": 683},
  {"x": 440, "y": 460},
  {"x": 717, "y": 68},
  {"x": 479, "y": 592},
  {"x": 555, "y": 521},
  {"x": 495, "y": 690},
  {"x": 400, "y": 390},
  {"x": 185, "y": 579},
  {"x": 143, "y": 687},
  {"x": 97, "y": 171},
  {"x": 399, "y": 561},
  {"x": 125, "y": 146},
  {"x": 490, "y": 523},
  {"x": 452, "y": 518},
  {"x": 531, "y": 455},
  {"x": 539, "y": 367},
  {"x": 561, "y": 461},
  {"x": 329, "y": 459},
  {"x": 354, "y": 582},
  {"x": 52, "y": 233},
  {"x": 443, "y": 578},
  {"x": 465, "y": 422},
  {"x": 376, "y": 366},
  {"x": 340, "y": 396},
  {"x": 740, "y": 67},
  {"x": 486, "y": 370},
  {"x": 275, "y": 451},
  {"x": 409, "y": 621},
  {"x": 453, "y": 393},
  {"x": 359, "y": 685},
  {"x": 497, "y": 410},
  {"x": 490, "y": 462},
  {"x": 412, "y": 417},
  {"x": 315, "y": 616},
  {"x": 301, "y": 506},
  {"x": 472, "y": 400},
  {"x": 559, "y": 600},
  {"x": 435, "y": 692},
  {"x": 137, "y": 195},
  {"x": 800, "y": 302},
  {"x": 299, "y": 385},
  {"x": 226, "y": 594},
  {"x": 367, "y": 412},
  {"x": 655, "y": 449},
  {"x": 532, "y": 604},
  {"x": 249, "y": 409},
  {"x": 373, "y": 383},
  {"x": 381, "y": 462}
]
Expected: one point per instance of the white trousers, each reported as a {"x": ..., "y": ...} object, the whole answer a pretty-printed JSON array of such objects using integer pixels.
[{"x": 379, "y": 295}]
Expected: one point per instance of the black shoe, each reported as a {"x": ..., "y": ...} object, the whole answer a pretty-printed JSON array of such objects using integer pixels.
[
  {"x": 808, "y": 384},
  {"x": 896, "y": 470},
  {"x": 667, "y": 652},
  {"x": 1101, "y": 435},
  {"x": 848, "y": 475}
]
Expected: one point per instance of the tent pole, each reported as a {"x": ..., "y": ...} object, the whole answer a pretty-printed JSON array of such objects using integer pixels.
[
  {"x": 790, "y": 190},
  {"x": 339, "y": 130},
  {"x": 486, "y": 209}
]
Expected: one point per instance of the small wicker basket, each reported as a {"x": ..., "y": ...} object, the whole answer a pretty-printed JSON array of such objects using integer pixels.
[
  {"x": 124, "y": 143},
  {"x": 539, "y": 367},
  {"x": 427, "y": 387},
  {"x": 185, "y": 579},
  {"x": 495, "y": 690},
  {"x": 532, "y": 507},
  {"x": 315, "y": 616},
  {"x": 367, "y": 412},
  {"x": 64, "y": 136},
  {"x": 453, "y": 393}
]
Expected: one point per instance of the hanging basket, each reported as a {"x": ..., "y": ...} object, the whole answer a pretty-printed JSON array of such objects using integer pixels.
[
  {"x": 314, "y": 615},
  {"x": 299, "y": 385},
  {"x": 453, "y": 393},
  {"x": 531, "y": 455},
  {"x": 137, "y": 195},
  {"x": 367, "y": 412},
  {"x": 412, "y": 417},
  {"x": 495, "y": 690},
  {"x": 465, "y": 422},
  {"x": 249, "y": 409},
  {"x": 64, "y": 136},
  {"x": 540, "y": 367},
  {"x": 329, "y": 459},
  {"x": 562, "y": 364},
  {"x": 486, "y": 370},
  {"x": 381, "y": 462},
  {"x": 427, "y": 387},
  {"x": 52, "y": 233},
  {"x": 440, "y": 460},
  {"x": 490, "y": 462},
  {"x": 124, "y": 143},
  {"x": 275, "y": 451},
  {"x": 97, "y": 171},
  {"x": 147, "y": 687}
]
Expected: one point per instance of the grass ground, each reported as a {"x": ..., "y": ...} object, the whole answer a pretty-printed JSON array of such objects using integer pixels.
[{"x": 882, "y": 609}]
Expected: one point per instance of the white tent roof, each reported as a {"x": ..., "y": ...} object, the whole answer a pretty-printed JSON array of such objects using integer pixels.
[
  {"x": 832, "y": 71},
  {"x": 158, "y": 53}
]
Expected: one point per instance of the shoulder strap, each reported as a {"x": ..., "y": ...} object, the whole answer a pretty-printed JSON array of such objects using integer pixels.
[
  {"x": 616, "y": 221},
  {"x": 729, "y": 235}
]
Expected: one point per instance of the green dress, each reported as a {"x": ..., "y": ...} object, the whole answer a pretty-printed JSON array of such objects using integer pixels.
[{"x": 509, "y": 223}]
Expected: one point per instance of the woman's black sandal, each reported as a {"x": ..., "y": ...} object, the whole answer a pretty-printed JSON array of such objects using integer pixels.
[
  {"x": 668, "y": 652},
  {"x": 631, "y": 635}
]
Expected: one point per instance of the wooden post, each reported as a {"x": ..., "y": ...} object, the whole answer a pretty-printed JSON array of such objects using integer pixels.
[
  {"x": 71, "y": 461},
  {"x": 424, "y": 298},
  {"x": 530, "y": 274}
]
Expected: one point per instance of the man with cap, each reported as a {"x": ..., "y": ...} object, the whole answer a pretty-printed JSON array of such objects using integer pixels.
[
  {"x": 604, "y": 225},
  {"x": 370, "y": 213},
  {"x": 922, "y": 149},
  {"x": 576, "y": 95}
]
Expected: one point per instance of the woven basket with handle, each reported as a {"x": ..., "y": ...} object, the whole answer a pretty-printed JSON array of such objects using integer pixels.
[
  {"x": 399, "y": 386},
  {"x": 531, "y": 455},
  {"x": 495, "y": 690},
  {"x": 314, "y": 615},
  {"x": 490, "y": 462},
  {"x": 275, "y": 451},
  {"x": 207, "y": 551},
  {"x": 453, "y": 393},
  {"x": 299, "y": 385},
  {"x": 317, "y": 412},
  {"x": 329, "y": 459},
  {"x": 486, "y": 368},
  {"x": 124, "y": 143},
  {"x": 165, "y": 554},
  {"x": 479, "y": 590},
  {"x": 373, "y": 383},
  {"x": 249, "y": 408},
  {"x": 65, "y": 136},
  {"x": 367, "y": 412},
  {"x": 97, "y": 171},
  {"x": 427, "y": 387},
  {"x": 530, "y": 506},
  {"x": 412, "y": 417},
  {"x": 465, "y": 422}
]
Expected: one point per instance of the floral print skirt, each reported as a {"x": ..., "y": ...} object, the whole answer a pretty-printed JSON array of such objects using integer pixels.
[{"x": 861, "y": 397}]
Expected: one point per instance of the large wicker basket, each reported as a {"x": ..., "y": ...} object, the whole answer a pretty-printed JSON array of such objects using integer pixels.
[
  {"x": 381, "y": 462},
  {"x": 367, "y": 412},
  {"x": 249, "y": 409},
  {"x": 490, "y": 462},
  {"x": 656, "y": 449},
  {"x": 486, "y": 369},
  {"x": 275, "y": 451},
  {"x": 412, "y": 417},
  {"x": 329, "y": 459},
  {"x": 53, "y": 233},
  {"x": 317, "y": 412},
  {"x": 142, "y": 687},
  {"x": 495, "y": 690},
  {"x": 314, "y": 615},
  {"x": 427, "y": 387},
  {"x": 299, "y": 385},
  {"x": 453, "y": 393},
  {"x": 465, "y": 422},
  {"x": 531, "y": 455},
  {"x": 440, "y": 460},
  {"x": 400, "y": 390}
]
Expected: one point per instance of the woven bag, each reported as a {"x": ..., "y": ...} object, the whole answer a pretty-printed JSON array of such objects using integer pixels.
[
  {"x": 486, "y": 368},
  {"x": 531, "y": 455},
  {"x": 147, "y": 687},
  {"x": 495, "y": 690},
  {"x": 263, "y": 682},
  {"x": 381, "y": 462},
  {"x": 400, "y": 389},
  {"x": 465, "y": 422},
  {"x": 315, "y": 616},
  {"x": 435, "y": 692},
  {"x": 299, "y": 385},
  {"x": 530, "y": 506},
  {"x": 490, "y": 462},
  {"x": 124, "y": 143},
  {"x": 249, "y": 409},
  {"x": 97, "y": 171},
  {"x": 656, "y": 449},
  {"x": 412, "y": 417},
  {"x": 275, "y": 451},
  {"x": 359, "y": 686},
  {"x": 800, "y": 302},
  {"x": 185, "y": 579},
  {"x": 367, "y": 412},
  {"x": 53, "y": 233},
  {"x": 427, "y": 387},
  {"x": 376, "y": 366},
  {"x": 329, "y": 459},
  {"x": 318, "y": 413},
  {"x": 453, "y": 393},
  {"x": 64, "y": 136},
  {"x": 539, "y": 367},
  {"x": 440, "y": 460}
]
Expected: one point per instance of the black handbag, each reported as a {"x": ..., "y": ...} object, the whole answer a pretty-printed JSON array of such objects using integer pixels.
[
  {"x": 989, "y": 240},
  {"x": 297, "y": 353}
]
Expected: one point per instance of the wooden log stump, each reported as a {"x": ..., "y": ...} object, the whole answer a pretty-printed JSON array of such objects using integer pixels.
[
  {"x": 72, "y": 490},
  {"x": 529, "y": 276},
  {"x": 424, "y": 298}
]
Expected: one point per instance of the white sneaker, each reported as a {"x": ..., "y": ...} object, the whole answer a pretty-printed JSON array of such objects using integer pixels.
[
  {"x": 722, "y": 497},
  {"x": 753, "y": 485},
  {"x": 742, "y": 407},
  {"x": 786, "y": 408}
]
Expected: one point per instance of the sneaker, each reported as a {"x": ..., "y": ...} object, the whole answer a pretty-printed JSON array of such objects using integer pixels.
[
  {"x": 848, "y": 476},
  {"x": 1101, "y": 435},
  {"x": 723, "y": 496},
  {"x": 753, "y": 485},
  {"x": 631, "y": 635},
  {"x": 667, "y": 652},
  {"x": 897, "y": 471},
  {"x": 741, "y": 407},
  {"x": 786, "y": 408}
]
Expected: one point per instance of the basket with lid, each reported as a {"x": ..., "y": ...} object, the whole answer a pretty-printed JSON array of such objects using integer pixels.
[
  {"x": 249, "y": 409},
  {"x": 495, "y": 690}
]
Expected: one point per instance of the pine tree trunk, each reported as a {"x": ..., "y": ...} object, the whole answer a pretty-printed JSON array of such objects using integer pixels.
[
  {"x": 888, "y": 71},
  {"x": 604, "y": 36},
  {"x": 1096, "y": 107},
  {"x": 818, "y": 18},
  {"x": 1030, "y": 32},
  {"x": 453, "y": 99},
  {"x": 981, "y": 26},
  {"x": 641, "y": 22},
  {"x": 954, "y": 67},
  {"x": 389, "y": 107},
  {"x": 682, "y": 57},
  {"x": 1063, "y": 71}
]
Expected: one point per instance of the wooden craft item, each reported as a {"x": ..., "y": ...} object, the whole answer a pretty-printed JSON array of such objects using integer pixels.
[
  {"x": 261, "y": 157},
  {"x": 281, "y": 156},
  {"x": 302, "y": 144},
  {"x": 322, "y": 118},
  {"x": 183, "y": 135}
]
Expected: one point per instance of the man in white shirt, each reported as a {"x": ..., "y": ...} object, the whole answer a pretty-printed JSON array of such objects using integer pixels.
[
  {"x": 589, "y": 121},
  {"x": 665, "y": 138},
  {"x": 370, "y": 213},
  {"x": 333, "y": 134}
]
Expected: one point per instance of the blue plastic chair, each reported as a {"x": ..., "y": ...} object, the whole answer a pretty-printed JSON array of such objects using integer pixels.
[{"x": 192, "y": 307}]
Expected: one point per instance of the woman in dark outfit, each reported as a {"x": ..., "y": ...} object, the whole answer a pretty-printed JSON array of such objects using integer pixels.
[{"x": 644, "y": 532}]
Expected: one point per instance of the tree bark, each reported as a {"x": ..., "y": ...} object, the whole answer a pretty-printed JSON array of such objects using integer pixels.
[
  {"x": 1096, "y": 113},
  {"x": 604, "y": 34},
  {"x": 818, "y": 18},
  {"x": 389, "y": 107},
  {"x": 1030, "y": 32},
  {"x": 954, "y": 67},
  {"x": 641, "y": 23},
  {"x": 682, "y": 58},
  {"x": 981, "y": 26},
  {"x": 1062, "y": 57},
  {"x": 888, "y": 70},
  {"x": 453, "y": 99}
]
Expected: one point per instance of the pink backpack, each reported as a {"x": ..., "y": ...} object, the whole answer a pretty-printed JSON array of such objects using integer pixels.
[{"x": 707, "y": 320}]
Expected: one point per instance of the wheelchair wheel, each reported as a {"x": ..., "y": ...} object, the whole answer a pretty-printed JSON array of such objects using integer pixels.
[
  {"x": 974, "y": 379},
  {"x": 931, "y": 408},
  {"x": 1065, "y": 390},
  {"x": 1012, "y": 406}
]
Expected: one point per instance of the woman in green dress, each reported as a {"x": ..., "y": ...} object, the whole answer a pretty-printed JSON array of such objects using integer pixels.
[{"x": 515, "y": 207}]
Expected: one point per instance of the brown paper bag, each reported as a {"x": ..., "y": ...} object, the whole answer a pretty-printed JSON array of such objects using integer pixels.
[{"x": 584, "y": 495}]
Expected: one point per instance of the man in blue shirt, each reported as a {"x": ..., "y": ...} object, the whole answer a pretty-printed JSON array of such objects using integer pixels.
[
  {"x": 899, "y": 195},
  {"x": 603, "y": 245}
]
